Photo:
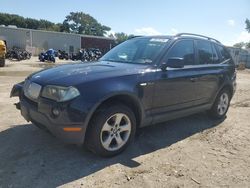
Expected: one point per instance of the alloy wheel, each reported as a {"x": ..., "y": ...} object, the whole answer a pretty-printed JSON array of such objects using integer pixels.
[
  {"x": 115, "y": 132},
  {"x": 223, "y": 104}
]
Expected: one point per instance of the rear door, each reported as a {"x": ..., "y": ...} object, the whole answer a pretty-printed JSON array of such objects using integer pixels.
[{"x": 209, "y": 70}]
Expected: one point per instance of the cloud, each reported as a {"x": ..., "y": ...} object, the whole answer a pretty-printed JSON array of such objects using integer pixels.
[
  {"x": 147, "y": 31},
  {"x": 244, "y": 36},
  {"x": 231, "y": 22}
]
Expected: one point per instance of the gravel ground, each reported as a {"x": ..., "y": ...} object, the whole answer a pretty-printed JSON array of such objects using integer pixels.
[{"x": 189, "y": 152}]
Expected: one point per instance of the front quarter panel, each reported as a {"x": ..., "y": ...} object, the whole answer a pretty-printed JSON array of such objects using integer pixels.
[{"x": 96, "y": 92}]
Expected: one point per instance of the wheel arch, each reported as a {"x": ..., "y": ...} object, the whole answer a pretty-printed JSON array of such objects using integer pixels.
[
  {"x": 227, "y": 86},
  {"x": 124, "y": 98}
]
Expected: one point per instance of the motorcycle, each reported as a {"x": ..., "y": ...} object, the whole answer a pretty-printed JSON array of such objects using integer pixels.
[
  {"x": 91, "y": 54},
  {"x": 63, "y": 55},
  {"x": 18, "y": 54},
  {"x": 47, "y": 56}
]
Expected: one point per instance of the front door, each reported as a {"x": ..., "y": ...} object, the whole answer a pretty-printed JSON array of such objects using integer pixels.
[{"x": 175, "y": 88}]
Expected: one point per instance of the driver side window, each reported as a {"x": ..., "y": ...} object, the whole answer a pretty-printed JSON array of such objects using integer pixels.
[{"x": 183, "y": 49}]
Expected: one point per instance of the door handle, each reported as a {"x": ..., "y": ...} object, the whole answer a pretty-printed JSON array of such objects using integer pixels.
[{"x": 193, "y": 79}]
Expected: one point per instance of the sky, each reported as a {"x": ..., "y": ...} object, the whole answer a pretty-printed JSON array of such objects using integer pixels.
[{"x": 221, "y": 19}]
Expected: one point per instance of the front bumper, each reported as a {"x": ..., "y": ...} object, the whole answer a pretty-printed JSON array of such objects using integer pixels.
[{"x": 68, "y": 125}]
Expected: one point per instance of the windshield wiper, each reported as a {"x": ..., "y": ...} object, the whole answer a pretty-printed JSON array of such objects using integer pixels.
[
  {"x": 118, "y": 61},
  {"x": 144, "y": 61}
]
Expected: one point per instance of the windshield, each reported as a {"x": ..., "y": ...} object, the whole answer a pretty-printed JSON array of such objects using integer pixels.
[{"x": 137, "y": 50}]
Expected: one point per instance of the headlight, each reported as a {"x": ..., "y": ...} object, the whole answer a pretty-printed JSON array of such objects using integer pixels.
[{"x": 59, "y": 93}]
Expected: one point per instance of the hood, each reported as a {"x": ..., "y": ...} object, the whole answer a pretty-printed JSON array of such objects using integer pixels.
[{"x": 73, "y": 74}]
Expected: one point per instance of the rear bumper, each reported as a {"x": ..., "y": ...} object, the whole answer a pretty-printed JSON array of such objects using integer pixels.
[{"x": 68, "y": 126}]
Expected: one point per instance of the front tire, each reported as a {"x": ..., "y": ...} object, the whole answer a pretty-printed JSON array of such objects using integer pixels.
[
  {"x": 221, "y": 104},
  {"x": 111, "y": 130}
]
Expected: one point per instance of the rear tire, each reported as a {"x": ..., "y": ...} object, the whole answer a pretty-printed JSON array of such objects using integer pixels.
[
  {"x": 111, "y": 130},
  {"x": 221, "y": 104}
]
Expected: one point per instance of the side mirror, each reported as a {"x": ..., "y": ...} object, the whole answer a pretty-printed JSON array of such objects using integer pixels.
[{"x": 173, "y": 62}]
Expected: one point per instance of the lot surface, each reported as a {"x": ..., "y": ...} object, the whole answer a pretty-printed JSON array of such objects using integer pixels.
[{"x": 190, "y": 152}]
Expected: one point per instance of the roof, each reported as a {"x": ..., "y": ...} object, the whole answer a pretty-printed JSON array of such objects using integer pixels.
[{"x": 183, "y": 35}]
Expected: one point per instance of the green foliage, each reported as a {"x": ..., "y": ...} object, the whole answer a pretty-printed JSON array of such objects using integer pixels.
[
  {"x": 248, "y": 45},
  {"x": 19, "y": 21},
  {"x": 81, "y": 23},
  {"x": 121, "y": 37},
  {"x": 248, "y": 29},
  {"x": 242, "y": 44},
  {"x": 247, "y": 25},
  {"x": 75, "y": 22},
  {"x": 239, "y": 45}
]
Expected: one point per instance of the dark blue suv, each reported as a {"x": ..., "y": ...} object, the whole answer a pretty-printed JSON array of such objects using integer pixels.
[{"x": 141, "y": 82}]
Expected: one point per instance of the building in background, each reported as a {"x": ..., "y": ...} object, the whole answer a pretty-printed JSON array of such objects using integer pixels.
[
  {"x": 240, "y": 56},
  {"x": 36, "y": 41}
]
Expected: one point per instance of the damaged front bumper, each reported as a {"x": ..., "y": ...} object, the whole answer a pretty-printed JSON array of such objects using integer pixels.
[
  {"x": 16, "y": 92},
  {"x": 68, "y": 125}
]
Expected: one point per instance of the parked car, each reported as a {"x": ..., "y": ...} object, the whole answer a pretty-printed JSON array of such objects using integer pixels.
[
  {"x": 141, "y": 82},
  {"x": 48, "y": 56},
  {"x": 2, "y": 53}
]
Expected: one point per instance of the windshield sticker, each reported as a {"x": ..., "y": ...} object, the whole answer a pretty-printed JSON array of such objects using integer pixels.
[{"x": 158, "y": 40}]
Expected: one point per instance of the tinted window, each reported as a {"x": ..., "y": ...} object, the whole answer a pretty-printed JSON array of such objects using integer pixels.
[
  {"x": 216, "y": 58},
  {"x": 224, "y": 53},
  {"x": 183, "y": 49},
  {"x": 205, "y": 53}
]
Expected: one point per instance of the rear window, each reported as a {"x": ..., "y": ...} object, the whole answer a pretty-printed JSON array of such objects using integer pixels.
[
  {"x": 216, "y": 58},
  {"x": 223, "y": 52}
]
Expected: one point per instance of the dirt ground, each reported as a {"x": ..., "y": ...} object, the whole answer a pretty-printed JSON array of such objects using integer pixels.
[{"x": 190, "y": 152}]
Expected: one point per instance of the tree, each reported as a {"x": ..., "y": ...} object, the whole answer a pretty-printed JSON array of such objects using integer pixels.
[
  {"x": 81, "y": 23},
  {"x": 46, "y": 25},
  {"x": 30, "y": 23},
  {"x": 247, "y": 25},
  {"x": 242, "y": 44},
  {"x": 248, "y": 45},
  {"x": 121, "y": 37},
  {"x": 64, "y": 27},
  {"x": 12, "y": 19},
  {"x": 239, "y": 45},
  {"x": 248, "y": 29},
  {"x": 75, "y": 22}
]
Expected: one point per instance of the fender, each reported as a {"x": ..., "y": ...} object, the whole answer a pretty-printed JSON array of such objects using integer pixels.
[
  {"x": 227, "y": 82},
  {"x": 111, "y": 95}
]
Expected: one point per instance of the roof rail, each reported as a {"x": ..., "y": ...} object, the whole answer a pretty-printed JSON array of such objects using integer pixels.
[
  {"x": 202, "y": 36},
  {"x": 134, "y": 36}
]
